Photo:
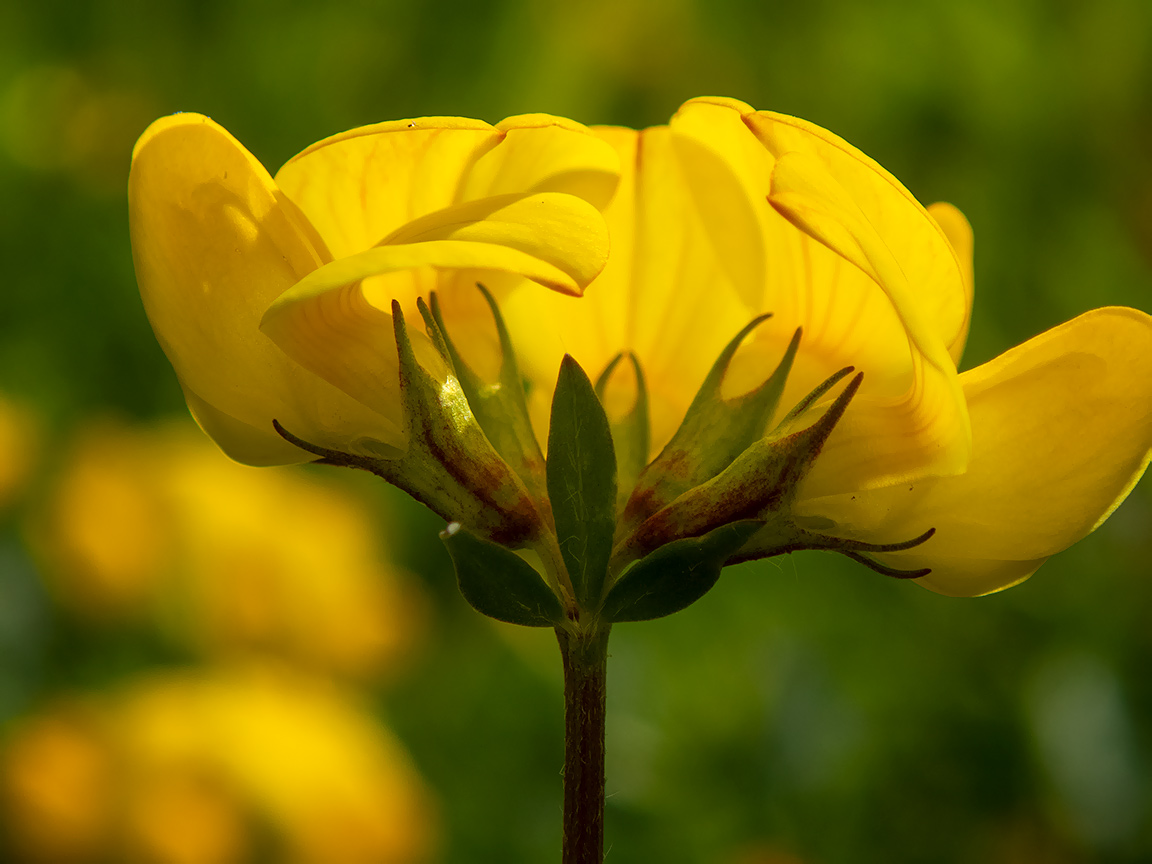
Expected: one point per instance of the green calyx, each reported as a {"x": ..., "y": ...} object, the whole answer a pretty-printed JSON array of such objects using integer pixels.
[
  {"x": 612, "y": 537},
  {"x": 499, "y": 406}
]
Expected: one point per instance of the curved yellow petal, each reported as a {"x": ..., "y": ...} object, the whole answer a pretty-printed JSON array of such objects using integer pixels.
[
  {"x": 239, "y": 440},
  {"x": 728, "y": 171},
  {"x": 884, "y": 439},
  {"x": 542, "y": 153},
  {"x": 848, "y": 292},
  {"x": 930, "y": 265},
  {"x": 959, "y": 233},
  {"x": 775, "y": 267},
  {"x": 957, "y": 576},
  {"x": 562, "y": 231},
  {"x": 214, "y": 243},
  {"x": 335, "y": 324},
  {"x": 360, "y": 185},
  {"x": 1062, "y": 431},
  {"x": 545, "y": 325}
]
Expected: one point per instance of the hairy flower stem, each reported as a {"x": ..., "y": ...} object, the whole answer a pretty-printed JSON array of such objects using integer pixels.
[{"x": 585, "y": 672}]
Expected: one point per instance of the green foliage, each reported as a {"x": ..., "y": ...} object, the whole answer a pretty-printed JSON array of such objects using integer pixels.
[
  {"x": 498, "y": 583},
  {"x": 499, "y": 406},
  {"x": 581, "y": 481},
  {"x": 676, "y": 575}
]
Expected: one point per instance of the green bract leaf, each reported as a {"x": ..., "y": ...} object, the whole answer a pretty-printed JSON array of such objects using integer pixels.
[
  {"x": 449, "y": 464},
  {"x": 675, "y": 576},
  {"x": 499, "y": 406},
  {"x": 581, "y": 473},
  {"x": 498, "y": 583}
]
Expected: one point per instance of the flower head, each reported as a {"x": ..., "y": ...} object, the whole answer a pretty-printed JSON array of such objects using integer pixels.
[
  {"x": 792, "y": 318},
  {"x": 210, "y": 766},
  {"x": 155, "y": 524}
]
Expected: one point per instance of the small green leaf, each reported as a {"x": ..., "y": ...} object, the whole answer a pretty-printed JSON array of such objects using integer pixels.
[
  {"x": 499, "y": 583},
  {"x": 581, "y": 475},
  {"x": 675, "y": 576},
  {"x": 501, "y": 406},
  {"x": 450, "y": 465}
]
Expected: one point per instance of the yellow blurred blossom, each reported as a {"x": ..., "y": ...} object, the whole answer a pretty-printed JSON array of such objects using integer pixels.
[
  {"x": 56, "y": 778},
  {"x": 19, "y": 449},
  {"x": 208, "y": 767},
  {"x": 157, "y": 522}
]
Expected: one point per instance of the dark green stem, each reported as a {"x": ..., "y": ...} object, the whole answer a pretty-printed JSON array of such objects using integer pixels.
[{"x": 585, "y": 672}]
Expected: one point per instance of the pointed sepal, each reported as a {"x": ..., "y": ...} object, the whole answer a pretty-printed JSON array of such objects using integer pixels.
[
  {"x": 776, "y": 539},
  {"x": 714, "y": 432},
  {"x": 500, "y": 406},
  {"x": 759, "y": 484},
  {"x": 499, "y": 583},
  {"x": 581, "y": 478},
  {"x": 676, "y": 575},
  {"x": 449, "y": 464}
]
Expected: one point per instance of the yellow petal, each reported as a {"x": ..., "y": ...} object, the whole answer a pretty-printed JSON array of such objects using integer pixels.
[
  {"x": 1062, "y": 430},
  {"x": 959, "y": 234},
  {"x": 909, "y": 417},
  {"x": 662, "y": 295},
  {"x": 542, "y": 153},
  {"x": 883, "y": 439},
  {"x": 336, "y": 325},
  {"x": 728, "y": 171},
  {"x": 214, "y": 243},
  {"x": 810, "y": 198},
  {"x": 930, "y": 265},
  {"x": 346, "y": 340},
  {"x": 239, "y": 440},
  {"x": 360, "y": 185},
  {"x": 545, "y": 325},
  {"x": 563, "y": 232}
]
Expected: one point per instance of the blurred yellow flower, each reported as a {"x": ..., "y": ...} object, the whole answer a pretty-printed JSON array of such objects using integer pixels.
[
  {"x": 157, "y": 522},
  {"x": 56, "y": 777},
  {"x": 19, "y": 450},
  {"x": 727, "y": 213},
  {"x": 271, "y": 297},
  {"x": 207, "y": 768}
]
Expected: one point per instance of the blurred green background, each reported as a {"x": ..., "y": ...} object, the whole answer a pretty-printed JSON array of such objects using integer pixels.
[{"x": 807, "y": 710}]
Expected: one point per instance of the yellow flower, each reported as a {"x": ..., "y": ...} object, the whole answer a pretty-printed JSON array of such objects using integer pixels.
[
  {"x": 207, "y": 767},
  {"x": 271, "y": 300},
  {"x": 271, "y": 297},
  {"x": 19, "y": 450},
  {"x": 727, "y": 213},
  {"x": 55, "y": 777},
  {"x": 156, "y": 522}
]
